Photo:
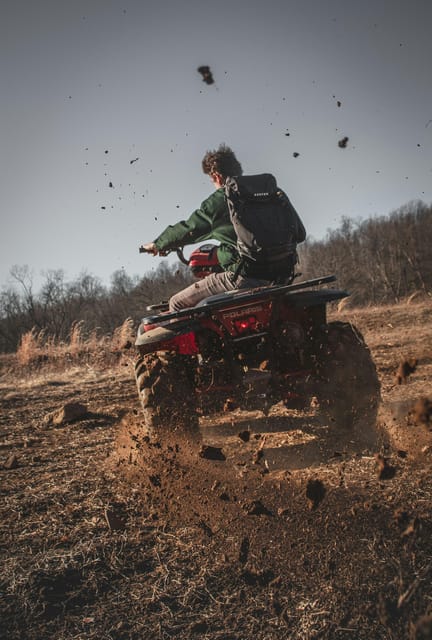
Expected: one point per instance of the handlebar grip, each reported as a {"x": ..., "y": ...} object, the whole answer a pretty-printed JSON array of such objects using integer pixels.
[
  {"x": 142, "y": 249},
  {"x": 163, "y": 252}
]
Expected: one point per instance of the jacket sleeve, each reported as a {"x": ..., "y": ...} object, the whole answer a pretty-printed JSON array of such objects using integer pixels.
[{"x": 196, "y": 228}]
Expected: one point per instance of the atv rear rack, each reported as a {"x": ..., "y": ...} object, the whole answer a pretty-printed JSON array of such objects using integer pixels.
[{"x": 207, "y": 306}]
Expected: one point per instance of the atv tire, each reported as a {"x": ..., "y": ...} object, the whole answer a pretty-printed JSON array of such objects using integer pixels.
[
  {"x": 348, "y": 389},
  {"x": 165, "y": 383}
]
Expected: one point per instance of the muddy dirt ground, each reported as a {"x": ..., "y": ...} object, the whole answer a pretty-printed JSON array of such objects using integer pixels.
[{"x": 93, "y": 547}]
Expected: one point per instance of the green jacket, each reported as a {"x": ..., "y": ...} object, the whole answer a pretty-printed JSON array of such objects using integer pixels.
[{"x": 210, "y": 221}]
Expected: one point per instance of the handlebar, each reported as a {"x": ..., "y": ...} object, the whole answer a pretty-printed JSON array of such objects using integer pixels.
[{"x": 164, "y": 253}]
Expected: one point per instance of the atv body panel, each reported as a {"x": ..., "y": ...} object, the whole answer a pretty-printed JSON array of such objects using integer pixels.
[{"x": 269, "y": 333}]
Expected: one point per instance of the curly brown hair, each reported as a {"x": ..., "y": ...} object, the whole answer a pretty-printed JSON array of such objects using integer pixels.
[{"x": 223, "y": 161}]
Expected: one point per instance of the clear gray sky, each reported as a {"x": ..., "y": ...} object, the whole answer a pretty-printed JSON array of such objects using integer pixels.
[{"x": 94, "y": 92}]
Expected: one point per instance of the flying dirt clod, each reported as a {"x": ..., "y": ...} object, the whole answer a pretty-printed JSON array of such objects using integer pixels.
[
  {"x": 206, "y": 73},
  {"x": 405, "y": 369}
]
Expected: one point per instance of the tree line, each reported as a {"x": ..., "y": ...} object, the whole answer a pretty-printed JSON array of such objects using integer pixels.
[
  {"x": 58, "y": 305},
  {"x": 378, "y": 260}
]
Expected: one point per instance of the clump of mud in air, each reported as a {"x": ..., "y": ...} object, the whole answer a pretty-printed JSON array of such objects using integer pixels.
[
  {"x": 206, "y": 73},
  {"x": 422, "y": 411},
  {"x": 405, "y": 369}
]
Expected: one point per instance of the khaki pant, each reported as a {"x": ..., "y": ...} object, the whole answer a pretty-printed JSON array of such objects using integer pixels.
[{"x": 210, "y": 286}]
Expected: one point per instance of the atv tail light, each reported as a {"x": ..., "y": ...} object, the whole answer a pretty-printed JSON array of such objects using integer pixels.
[{"x": 245, "y": 324}]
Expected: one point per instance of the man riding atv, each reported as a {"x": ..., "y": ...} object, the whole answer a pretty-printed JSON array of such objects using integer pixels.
[{"x": 213, "y": 220}]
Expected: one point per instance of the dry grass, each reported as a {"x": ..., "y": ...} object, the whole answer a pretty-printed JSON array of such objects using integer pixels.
[
  {"x": 37, "y": 349},
  {"x": 124, "y": 336},
  {"x": 31, "y": 347}
]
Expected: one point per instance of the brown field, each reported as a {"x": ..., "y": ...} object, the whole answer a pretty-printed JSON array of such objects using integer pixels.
[{"x": 93, "y": 547}]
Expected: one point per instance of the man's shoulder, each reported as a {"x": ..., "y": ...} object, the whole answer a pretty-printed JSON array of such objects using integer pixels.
[
  {"x": 215, "y": 200},
  {"x": 217, "y": 195}
]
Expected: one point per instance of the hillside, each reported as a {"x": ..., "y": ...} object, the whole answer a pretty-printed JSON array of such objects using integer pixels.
[{"x": 338, "y": 549}]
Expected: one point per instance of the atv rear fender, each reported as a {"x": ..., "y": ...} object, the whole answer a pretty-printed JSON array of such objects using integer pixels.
[{"x": 179, "y": 337}]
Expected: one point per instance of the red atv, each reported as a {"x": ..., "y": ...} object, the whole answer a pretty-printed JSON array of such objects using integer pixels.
[{"x": 256, "y": 347}]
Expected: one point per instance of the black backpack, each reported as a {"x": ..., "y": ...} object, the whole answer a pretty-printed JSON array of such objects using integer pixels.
[{"x": 264, "y": 221}]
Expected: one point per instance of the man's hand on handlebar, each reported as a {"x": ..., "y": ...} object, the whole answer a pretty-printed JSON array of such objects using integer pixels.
[{"x": 150, "y": 247}]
